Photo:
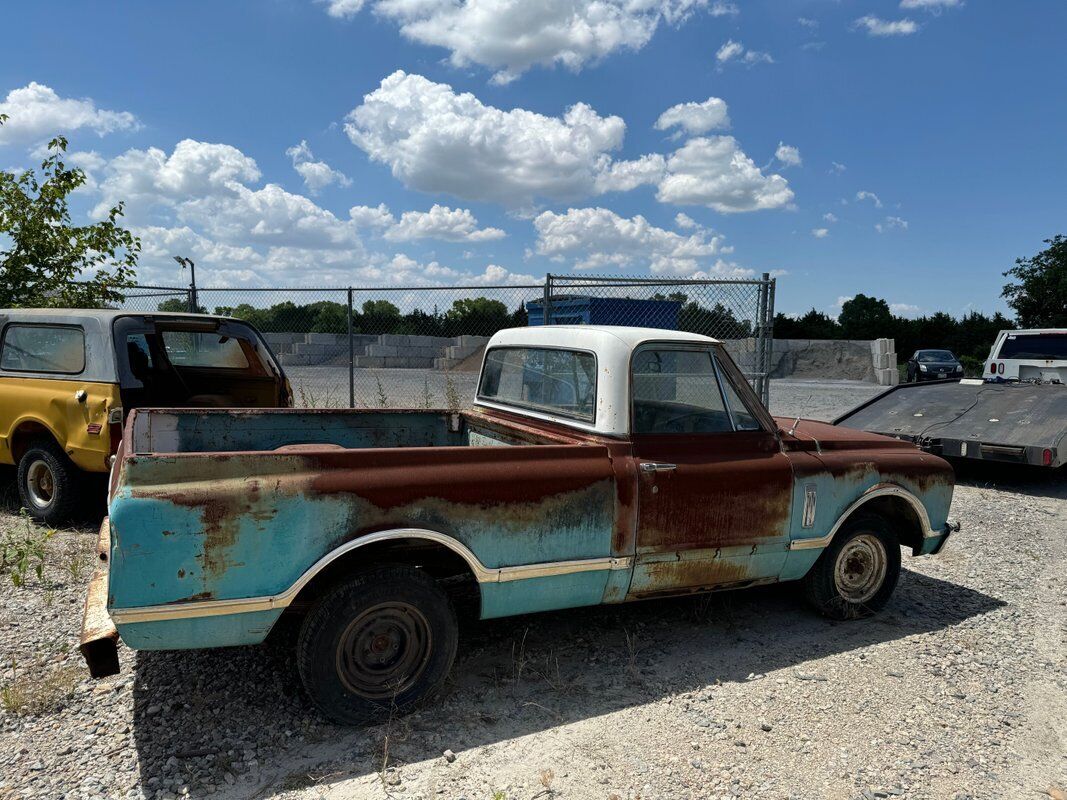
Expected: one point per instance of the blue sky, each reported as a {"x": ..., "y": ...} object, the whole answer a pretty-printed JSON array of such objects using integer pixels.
[{"x": 909, "y": 149}]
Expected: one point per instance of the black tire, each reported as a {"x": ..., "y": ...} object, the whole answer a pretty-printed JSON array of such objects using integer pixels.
[
  {"x": 48, "y": 482},
  {"x": 378, "y": 644},
  {"x": 856, "y": 575}
]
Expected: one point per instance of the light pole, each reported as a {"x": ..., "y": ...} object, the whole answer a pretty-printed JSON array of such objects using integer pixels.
[{"x": 194, "y": 306}]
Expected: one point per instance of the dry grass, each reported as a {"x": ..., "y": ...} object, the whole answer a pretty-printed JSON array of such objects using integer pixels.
[{"x": 39, "y": 691}]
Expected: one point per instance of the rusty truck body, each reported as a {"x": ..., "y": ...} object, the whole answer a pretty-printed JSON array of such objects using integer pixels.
[{"x": 598, "y": 465}]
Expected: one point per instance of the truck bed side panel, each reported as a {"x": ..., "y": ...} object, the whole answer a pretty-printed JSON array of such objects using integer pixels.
[{"x": 239, "y": 525}]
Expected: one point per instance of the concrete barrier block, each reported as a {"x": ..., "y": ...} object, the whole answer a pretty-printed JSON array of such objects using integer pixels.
[
  {"x": 887, "y": 377},
  {"x": 309, "y": 349},
  {"x": 885, "y": 361},
  {"x": 326, "y": 338},
  {"x": 370, "y": 362},
  {"x": 294, "y": 360}
]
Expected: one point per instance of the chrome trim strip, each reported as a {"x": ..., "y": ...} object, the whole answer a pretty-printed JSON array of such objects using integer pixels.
[
  {"x": 482, "y": 574},
  {"x": 878, "y": 490}
]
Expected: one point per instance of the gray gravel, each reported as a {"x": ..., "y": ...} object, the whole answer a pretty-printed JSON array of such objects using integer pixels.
[{"x": 957, "y": 690}]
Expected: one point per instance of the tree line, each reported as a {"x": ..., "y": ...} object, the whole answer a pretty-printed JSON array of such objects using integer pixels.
[
  {"x": 481, "y": 316},
  {"x": 969, "y": 337}
]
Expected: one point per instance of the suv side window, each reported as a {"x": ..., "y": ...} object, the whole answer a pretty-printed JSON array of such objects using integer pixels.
[
  {"x": 54, "y": 349},
  {"x": 677, "y": 391}
]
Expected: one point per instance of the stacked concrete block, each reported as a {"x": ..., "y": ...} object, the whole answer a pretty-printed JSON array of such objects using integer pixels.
[
  {"x": 463, "y": 347},
  {"x": 884, "y": 357}
]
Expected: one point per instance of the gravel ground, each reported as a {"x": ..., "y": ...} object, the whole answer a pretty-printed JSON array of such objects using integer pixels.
[{"x": 957, "y": 690}]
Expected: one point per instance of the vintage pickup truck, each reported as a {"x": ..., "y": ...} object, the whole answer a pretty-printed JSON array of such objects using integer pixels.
[{"x": 599, "y": 465}]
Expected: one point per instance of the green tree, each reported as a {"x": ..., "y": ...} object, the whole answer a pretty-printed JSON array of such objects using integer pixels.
[
  {"x": 47, "y": 260},
  {"x": 1039, "y": 299},
  {"x": 477, "y": 316},
  {"x": 865, "y": 317}
]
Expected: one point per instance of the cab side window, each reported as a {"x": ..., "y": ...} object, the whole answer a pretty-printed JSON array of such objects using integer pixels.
[
  {"x": 677, "y": 391},
  {"x": 50, "y": 349}
]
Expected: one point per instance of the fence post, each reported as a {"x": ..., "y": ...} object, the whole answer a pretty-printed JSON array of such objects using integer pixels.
[
  {"x": 546, "y": 305},
  {"x": 190, "y": 300},
  {"x": 351, "y": 356},
  {"x": 761, "y": 339},
  {"x": 770, "y": 341}
]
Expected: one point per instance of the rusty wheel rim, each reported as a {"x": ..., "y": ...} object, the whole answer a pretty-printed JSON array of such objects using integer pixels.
[
  {"x": 384, "y": 650},
  {"x": 40, "y": 484},
  {"x": 861, "y": 568}
]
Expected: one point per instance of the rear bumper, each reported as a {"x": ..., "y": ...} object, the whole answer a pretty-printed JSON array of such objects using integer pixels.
[{"x": 99, "y": 638}]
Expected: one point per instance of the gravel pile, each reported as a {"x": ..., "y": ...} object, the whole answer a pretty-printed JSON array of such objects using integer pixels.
[{"x": 957, "y": 690}]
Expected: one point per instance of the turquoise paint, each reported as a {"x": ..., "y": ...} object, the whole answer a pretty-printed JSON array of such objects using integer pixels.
[
  {"x": 249, "y": 526},
  {"x": 797, "y": 563},
  {"x": 242, "y": 431},
  {"x": 543, "y": 594},
  {"x": 250, "y": 627}
]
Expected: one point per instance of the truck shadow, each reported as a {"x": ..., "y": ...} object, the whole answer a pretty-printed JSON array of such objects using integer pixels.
[
  {"x": 1020, "y": 479},
  {"x": 238, "y": 718}
]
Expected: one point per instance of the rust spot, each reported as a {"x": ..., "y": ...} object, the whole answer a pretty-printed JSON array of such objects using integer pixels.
[{"x": 181, "y": 573}]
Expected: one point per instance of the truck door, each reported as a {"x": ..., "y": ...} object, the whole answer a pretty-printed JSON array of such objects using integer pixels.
[{"x": 714, "y": 487}]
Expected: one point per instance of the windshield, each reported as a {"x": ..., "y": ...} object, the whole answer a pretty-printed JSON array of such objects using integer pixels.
[
  {"x": 558, "y": 381},
  {"x": 1035, "y": 346},
  {"x": 933, "y": 356}
]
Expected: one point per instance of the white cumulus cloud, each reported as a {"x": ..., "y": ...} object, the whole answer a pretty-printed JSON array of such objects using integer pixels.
[
  {"x": 787, "y": 155},
  {"x": 735, "y": 51},
  {"x": 37, "y": 112},
  {"x": 436, "y": 140},
  {"x": 598, "y": 238},
  {"x": 715, "y": 172},
  {"x": 317, "y": 175},
  {"x": 441, "y": 222},
  {"x": 876, "y": 26},
  {"x": 509, "y": 36},
  {"x": 820, "y": 233},
  {"x": 695, "y": 118}
]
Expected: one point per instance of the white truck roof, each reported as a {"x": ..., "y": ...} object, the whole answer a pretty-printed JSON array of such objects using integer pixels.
[{"x": 612, "y": 346}]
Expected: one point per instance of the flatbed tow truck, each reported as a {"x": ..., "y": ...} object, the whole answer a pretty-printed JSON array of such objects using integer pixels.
[{"x": 1021, "y": 421}]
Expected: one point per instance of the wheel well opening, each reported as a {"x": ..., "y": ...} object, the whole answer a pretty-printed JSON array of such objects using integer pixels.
[
  {"x": 23, "y": 435},
  {"x": 901, "y": 517},
  {"x": 443, "y": 564}
]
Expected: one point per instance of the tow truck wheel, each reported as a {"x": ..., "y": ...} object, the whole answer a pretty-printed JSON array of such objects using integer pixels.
[
  {"x": 47, "y": 482},
  {"x": 378, "y": 644},
  {"x": 855, "y": 576}
]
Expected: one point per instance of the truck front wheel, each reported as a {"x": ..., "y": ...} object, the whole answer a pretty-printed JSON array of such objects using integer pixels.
[
  {"x": 47, "y": 482},
  {"x": 855, "y": 576},
  {"x": 377, "y": 644}
]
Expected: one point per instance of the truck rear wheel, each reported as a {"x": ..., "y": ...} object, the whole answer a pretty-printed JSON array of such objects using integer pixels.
[
  {"x": 855, "y": 576},
  {"x": 47, "y": 482},
  {"x": 379, "y": 643}
]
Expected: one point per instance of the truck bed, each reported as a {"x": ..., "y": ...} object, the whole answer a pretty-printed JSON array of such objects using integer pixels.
[
  {"x": 1015, "y": 422},
  {"x": 257, "y": 430}
]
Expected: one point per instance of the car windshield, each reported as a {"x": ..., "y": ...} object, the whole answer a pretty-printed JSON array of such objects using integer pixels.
[
  {"x": 1036, "y": 346},
  {"x": 934, "y": 356}
]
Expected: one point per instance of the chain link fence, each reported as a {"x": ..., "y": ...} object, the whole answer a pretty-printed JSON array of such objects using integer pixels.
[{"x": 421, "y": 347}]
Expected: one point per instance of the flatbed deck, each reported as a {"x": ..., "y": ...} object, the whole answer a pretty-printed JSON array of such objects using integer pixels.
[{"x": 1016, "y": 422}]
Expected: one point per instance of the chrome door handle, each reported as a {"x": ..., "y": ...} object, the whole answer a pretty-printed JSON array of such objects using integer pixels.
[{"x": 657, "y": 466}]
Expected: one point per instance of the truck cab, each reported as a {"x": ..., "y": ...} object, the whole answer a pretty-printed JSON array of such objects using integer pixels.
[{"x": 1037, "y": 355}]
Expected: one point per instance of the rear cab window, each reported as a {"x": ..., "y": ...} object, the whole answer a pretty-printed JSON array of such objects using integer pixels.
[
  {"x": 48, "y": 349},
  {"x": 1034, "y": 347},
  {"x": 209, "y": 350},
  {"x": 550, "y": 380}
]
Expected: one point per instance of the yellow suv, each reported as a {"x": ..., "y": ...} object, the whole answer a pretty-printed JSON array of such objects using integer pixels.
[{"x": 67, "y": 377}]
